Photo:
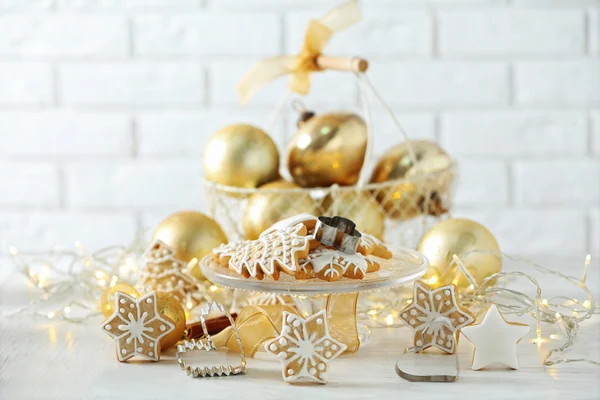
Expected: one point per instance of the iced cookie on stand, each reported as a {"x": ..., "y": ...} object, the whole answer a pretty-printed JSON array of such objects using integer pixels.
[
  {"x": 279, "y": 249},
  {"x": 331, "y": 265},
  {"x": 305, "y": 247}
]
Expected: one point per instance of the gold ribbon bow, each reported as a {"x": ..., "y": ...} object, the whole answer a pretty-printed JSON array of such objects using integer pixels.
[
  {"x": 257, "y": 324},
  {"x": 318, "y": 33}
]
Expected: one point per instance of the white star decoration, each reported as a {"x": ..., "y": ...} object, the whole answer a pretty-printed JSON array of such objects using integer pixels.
[
  {"x": 137, "y": 327},
  {"x": 435, "y": 317},
  {"x": 305, "y": 347},
  {"x": 495, "y": 340}
]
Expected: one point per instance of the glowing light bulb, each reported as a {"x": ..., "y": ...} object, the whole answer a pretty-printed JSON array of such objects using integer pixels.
[
  {"x": 50, "y": 315},
  {"x": 389, "y": 319},
  {"x": 545, "y": 302},
  {"x": 213, "y": 288},
  {"x": 189, "y": 305},
  {"x": 67, "y": 309}
]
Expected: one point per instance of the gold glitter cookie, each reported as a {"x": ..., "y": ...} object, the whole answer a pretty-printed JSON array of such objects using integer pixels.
[{"x": 137, "y": 327}]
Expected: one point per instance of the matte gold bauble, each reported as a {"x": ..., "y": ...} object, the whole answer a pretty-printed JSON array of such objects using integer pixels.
[
  {"x": 241, "y": 155},
  {"x": 423, "y": 182},
  {"x": 328, "y": 149},
  {"x": 457, "y": 236},
  {"x": 107, "y": 299},
  {"x": 169, "y": 307},
  {"x": 191, "y": 234},
  {"x": 270, "y": 205},
  {"x": 360, "y": 208}
]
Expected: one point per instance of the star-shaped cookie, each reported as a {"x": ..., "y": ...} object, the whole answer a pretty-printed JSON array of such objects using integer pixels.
[
  {"x": 305, "y": 347},
  {"x": 137, "y": 326},
  {"x": 435, "y": 317},
  {"x": 495, "y": 340}
]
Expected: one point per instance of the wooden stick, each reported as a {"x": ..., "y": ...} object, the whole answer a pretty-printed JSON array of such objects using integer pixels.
[{"x": 354, "y": 64}]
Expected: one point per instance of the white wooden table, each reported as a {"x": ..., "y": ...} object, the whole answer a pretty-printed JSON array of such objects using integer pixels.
[{"x": 57, "y": 360}]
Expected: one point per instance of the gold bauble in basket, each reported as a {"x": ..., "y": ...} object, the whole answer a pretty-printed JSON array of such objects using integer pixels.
[
  {"x": 191, "y": 235},
  {"x": 241, "y": 155},
  {"x": 328, "y": 149},
  {"x": 457, "y": 236},
  {"x": 422, "y": 183},
  {"x": 359, "y": 207},
  {"x": 269, "y": 205}
]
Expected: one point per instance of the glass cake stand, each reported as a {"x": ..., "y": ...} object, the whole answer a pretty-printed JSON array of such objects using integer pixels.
[{"x": 339, "y": 298}]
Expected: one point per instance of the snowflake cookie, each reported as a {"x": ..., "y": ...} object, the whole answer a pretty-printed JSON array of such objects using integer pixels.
[
  {"x": 435, "y": 317},
  {"x": 331, "y": 265},
  {"x": 305, "y": 347},
  {"x": 137, "y": 326}
]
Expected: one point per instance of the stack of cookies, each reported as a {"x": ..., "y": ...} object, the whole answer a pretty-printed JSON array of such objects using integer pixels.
[{"x": 290, "y": 246}]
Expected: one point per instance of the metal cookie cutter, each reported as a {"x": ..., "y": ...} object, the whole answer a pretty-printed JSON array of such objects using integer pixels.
[
  {"x": 338, "y": 232},
  {"x": 208, "y": 345}
]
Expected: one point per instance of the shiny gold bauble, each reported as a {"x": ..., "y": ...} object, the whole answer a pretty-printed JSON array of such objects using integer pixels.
[
  {"x": 328, "y": 149},
  {"x": 107, "y": 299},
  {"x": 421, "y": 182},
  {"x": 457, "y": 236},
  {"x": 359, "y": 207},
  {"x": 169, "y": 307},
  {"x": 241, "y": 155},
  {"x": 266, "y": 207},
  {"x": 191, "y": 235}
]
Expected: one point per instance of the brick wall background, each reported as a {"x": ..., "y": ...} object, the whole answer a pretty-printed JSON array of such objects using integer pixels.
[{"x": 105, "y": 107}]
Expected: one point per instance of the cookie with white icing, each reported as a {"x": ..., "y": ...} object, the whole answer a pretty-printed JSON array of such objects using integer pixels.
[
  {"x": 276, "y": 250},
  {"x": 331, "y": 265},
  {"x": 369, "y": 245}
]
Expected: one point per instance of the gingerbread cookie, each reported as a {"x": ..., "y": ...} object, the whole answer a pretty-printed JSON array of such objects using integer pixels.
[
  {"x": 162, "y": 272},
  {"x": 305, "y": 347},
  {"x": 369, "y": 245},
  {"x": 274, "y": 251},
  {"x": 435, "y": 317},
  {"x": 331, "y": 265},
  {"x": 137, "y": 326}
]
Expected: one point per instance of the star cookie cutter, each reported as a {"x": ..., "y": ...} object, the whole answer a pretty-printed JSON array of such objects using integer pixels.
[
  {"x": 338, "y": 232},
  {"x": 207, "y": 344}
]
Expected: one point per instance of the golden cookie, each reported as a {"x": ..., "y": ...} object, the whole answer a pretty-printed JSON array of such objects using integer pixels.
[
  {"x": 162, "y": 272},
  {"x": 137, "y": 327},
  {"x": 369, "y": 245},
  {"x": 278, "y": 250},
  {"x": 331, "y": 265}
]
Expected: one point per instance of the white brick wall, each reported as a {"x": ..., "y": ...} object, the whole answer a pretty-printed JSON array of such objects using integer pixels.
[{"x": 106, "y": 105}]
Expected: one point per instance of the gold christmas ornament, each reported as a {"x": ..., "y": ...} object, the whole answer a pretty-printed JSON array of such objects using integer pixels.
[
  {"x": 423, "y": 181},
  {"x": 328, "y": 149},
  {"x": 360, "y": 208},
  {"x": 457, "y": 236},
  {"x": 241, "y": 155},
  {"x": 191, "y": 234},
  {"x": 107, "y": 299},
  {"x": 169, "y": 306},
  {"x": 264, "y": 208}
]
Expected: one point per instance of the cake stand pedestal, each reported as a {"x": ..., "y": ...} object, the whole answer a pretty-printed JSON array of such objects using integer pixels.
[{"x": 338, "y": 298}]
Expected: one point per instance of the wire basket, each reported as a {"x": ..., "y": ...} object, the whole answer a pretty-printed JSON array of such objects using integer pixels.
[{"x": 397, "y": 211}]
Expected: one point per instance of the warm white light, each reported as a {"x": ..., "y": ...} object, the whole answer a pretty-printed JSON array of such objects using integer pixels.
[
  {"x": 389, "y": 319},
  {"x": 50, "y": 315},
  {"x": 67, "y": 309},
  {"x": 189, "y": 305},
  {"x": 213, "y": 288}
]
